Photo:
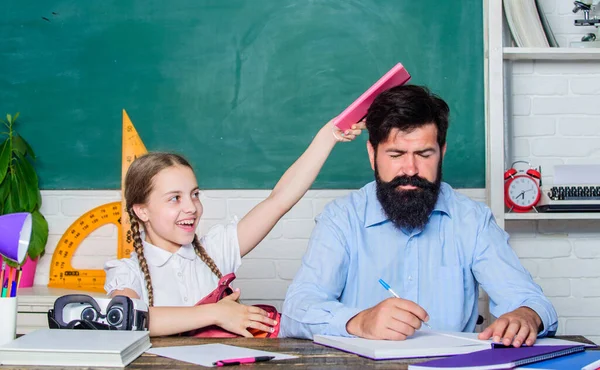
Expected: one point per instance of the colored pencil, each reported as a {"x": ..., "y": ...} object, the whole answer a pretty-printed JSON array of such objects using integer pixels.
[
  {"x": 10, "y": 283},
  {"x": 2, "y": 275}
]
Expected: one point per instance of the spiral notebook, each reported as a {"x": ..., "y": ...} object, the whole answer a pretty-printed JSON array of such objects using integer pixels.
[
  {"x": 498, "y": 358},
  {"x": 588, "y": 360}
]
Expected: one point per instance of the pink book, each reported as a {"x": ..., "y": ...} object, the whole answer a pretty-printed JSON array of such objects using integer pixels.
[{"x": 357, "y": 110}]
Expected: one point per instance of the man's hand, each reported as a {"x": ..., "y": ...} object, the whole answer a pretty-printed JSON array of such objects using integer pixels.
[
  {"x": 516, "y": 327},
  {"x": 392, "y": 319}
]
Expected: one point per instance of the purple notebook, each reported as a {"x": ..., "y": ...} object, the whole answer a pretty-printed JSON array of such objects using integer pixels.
[{"x": 498, "y": 358}]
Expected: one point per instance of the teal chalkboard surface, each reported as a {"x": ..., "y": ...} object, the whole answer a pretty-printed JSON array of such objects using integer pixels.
[{"x": 238, "y": 86}]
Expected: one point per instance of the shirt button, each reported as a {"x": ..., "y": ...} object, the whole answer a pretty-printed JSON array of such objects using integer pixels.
[
  {"x": 185, "y": 299},
  {"x": 179, "y": 274},
  {"x": 410, "y": 278}
]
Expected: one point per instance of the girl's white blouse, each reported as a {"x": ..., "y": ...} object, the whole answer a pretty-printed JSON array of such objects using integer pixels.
[{"x": 181, "y": 278}]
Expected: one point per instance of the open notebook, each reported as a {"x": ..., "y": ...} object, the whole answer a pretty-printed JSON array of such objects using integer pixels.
[
  {"x": 423, "y": 343},
  {"x": 64, "y": 347}
]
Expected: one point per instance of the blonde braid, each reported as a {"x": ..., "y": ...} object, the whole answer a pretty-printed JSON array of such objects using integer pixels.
[
  {"x": 139, "y": 250},
  {"x": 201, "y": 252}
]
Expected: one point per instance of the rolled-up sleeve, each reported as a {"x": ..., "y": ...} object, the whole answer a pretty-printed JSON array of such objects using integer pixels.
[
  {"x": 312, "y": 303},
  {"x": 503, "y": 277},
  {"x": 222, "y": 244},
  {"x": 121, "y": 274}
]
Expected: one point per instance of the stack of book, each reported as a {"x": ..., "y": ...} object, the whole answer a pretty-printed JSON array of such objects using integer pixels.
[
  {"x": 85, "y": 348},
  {"x": 528, "y": 24}
]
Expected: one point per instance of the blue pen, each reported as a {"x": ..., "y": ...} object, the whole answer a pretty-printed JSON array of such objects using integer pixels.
[
  {"x": 13, "y": 289},
  {"x": 389, "y": 289}
]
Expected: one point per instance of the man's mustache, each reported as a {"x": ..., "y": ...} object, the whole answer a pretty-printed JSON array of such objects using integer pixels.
[{"x": 415, "y": 180}]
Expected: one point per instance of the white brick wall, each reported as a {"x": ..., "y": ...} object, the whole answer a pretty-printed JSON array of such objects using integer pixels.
[{"x": 555, "y": 119}]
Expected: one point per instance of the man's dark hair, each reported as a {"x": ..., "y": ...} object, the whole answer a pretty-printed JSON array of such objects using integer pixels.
[{"x": 406, "y": 108}]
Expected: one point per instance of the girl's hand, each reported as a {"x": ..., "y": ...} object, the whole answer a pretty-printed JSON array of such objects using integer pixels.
[
  {"x": 237, "y": 318},
  {"x": 348, "y": 135}
]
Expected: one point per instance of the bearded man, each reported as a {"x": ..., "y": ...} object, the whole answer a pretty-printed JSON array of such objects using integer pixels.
[{"x": 432, "y": 245}]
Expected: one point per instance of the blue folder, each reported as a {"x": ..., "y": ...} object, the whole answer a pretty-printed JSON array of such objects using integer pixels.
[{"x": 575, "y": 361}]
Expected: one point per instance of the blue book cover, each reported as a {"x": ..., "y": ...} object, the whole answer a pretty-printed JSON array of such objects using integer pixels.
[{"x": 570, "y": 362}]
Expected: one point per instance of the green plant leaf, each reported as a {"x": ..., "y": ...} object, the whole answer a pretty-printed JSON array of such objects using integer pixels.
[
  {"x": 9, "y": 118},
  {"x": 10, "y": 262},
  {"x": 12, "y": 193},
  {"x": 39, "y": 235},
  {"x": 28, "y": 171},
  {"x": 35, "y": 200},
  {"x": 29, "y": 149},
  {"x": 38, "y": 202},
  {"x": 27, "y": 189},
  {"x": 16, "y": 116},
  {"x": 4, "y": 191},
  {"x": 15, "y": 196},
  {"x": 4, "y": 159},
  {"x": 19, "y": 145}
]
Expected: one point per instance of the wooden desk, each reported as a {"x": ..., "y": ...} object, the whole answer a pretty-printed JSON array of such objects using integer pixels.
[{"x": 311, "y": 356}]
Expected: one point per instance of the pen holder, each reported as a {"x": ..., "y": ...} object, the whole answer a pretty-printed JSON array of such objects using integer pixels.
[{"x": 8, "y": 315}]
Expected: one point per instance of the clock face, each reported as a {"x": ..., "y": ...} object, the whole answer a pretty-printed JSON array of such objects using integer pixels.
[{"x": 523, "y": 191}]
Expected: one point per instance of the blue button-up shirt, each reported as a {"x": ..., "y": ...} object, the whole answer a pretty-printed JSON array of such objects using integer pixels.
[{"x": 354, "y": 244}]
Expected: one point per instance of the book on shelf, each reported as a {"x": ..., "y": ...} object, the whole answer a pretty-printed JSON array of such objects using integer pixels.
[
  {"x": 546, "y": 25},
  {"x": 524, "y": 18}
]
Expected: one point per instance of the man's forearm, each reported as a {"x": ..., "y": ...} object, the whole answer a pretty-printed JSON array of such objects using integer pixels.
[{"x": 327, "y": 318}]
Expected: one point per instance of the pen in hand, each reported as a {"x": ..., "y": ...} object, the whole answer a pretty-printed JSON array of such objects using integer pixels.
[
  {"x": 389, "y": 289},
  {"x": 244, "y": 360}
]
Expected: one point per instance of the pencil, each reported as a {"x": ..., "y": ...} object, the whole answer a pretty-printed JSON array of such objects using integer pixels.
[
  {"x": 19, "y": 273},
  {"x": 2, "y": 274},
  {"x": 2, "y": 291}
]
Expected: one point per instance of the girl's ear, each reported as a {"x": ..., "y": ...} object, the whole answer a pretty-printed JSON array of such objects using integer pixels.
[{"x": 141, "y": 212}]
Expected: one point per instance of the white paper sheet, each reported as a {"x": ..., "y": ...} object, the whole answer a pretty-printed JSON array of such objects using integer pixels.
[
  {"x": 577, "y": 174},
  {"x": 207, "y": 354}
]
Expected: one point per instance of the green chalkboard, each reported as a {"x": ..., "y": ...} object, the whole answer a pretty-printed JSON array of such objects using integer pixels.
[{"x": 238, "y": 86}]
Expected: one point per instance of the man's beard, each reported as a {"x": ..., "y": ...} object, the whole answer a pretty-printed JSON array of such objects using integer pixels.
[{"x": 408, "y": 209}]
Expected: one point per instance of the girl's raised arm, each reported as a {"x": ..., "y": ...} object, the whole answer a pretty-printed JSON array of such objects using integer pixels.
[{"x": 292, "y": 186}]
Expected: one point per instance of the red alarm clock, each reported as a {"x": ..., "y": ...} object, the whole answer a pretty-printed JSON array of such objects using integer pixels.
[{"x": 522, "y": 188}]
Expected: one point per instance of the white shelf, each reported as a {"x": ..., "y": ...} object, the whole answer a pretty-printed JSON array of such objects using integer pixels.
[
  {"x": 551, "y": 53},
  {"x": 553, "y": 216}
]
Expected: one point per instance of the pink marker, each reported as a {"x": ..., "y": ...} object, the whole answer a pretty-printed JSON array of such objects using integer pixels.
[
  {"x": 244, "y": 360},
  {"x": 358, "y": 110}
]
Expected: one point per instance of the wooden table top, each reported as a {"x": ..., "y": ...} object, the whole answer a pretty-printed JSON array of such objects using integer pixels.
[{"x": 310, "y": 355}]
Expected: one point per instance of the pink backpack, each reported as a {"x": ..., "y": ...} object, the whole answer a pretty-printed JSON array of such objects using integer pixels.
[{"x": 222, "y": 290}]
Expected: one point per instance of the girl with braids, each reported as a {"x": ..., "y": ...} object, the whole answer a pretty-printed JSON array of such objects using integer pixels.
[{"x": 172, "y": 268}]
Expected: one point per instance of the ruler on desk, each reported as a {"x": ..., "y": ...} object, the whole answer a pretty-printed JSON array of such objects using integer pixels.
[{"x": 62, "y": 272}]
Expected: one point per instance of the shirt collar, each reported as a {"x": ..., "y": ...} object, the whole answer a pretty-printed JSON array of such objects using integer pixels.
[
  {"x": 374, "y": 213},
  {"x": 158, "y": 257}
]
